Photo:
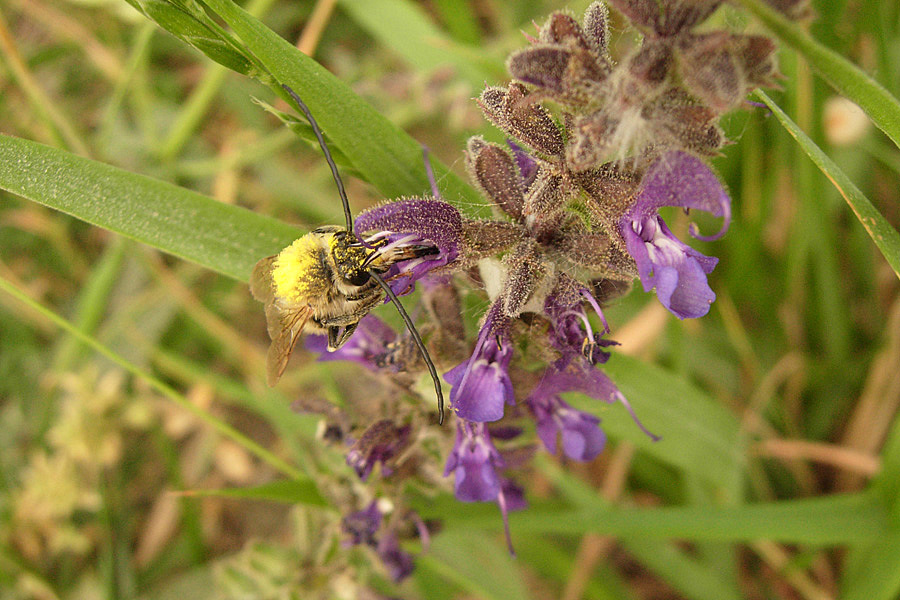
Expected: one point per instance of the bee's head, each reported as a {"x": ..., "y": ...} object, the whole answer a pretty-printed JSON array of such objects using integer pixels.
[{"x": 349, "y": 255}]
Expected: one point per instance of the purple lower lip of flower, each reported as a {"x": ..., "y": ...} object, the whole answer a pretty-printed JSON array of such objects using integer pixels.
[
  {"x": 474, "y": 463},
  {"x": 677, "y": 271},
  {"x": 481, "y": 384},
  {"x": 582, "y": 438}
]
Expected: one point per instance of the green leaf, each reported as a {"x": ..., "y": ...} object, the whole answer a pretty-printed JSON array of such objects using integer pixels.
[
  {"x": 227, "y": 239},
  {"x": 698, "y": 434},
  {"x": 687, "y": 574},
  {"x": 383, "y": 153},
  {"x": 830, "y": 520},
  {"x": 840, "y": 73},
  {"x": 289, "y": 491},
  {"x": 873, "y": 573},
  {"x": 195, "y": 28},
  {"x": 885, "y": 237},
  {"x": 477, "y": 563}
]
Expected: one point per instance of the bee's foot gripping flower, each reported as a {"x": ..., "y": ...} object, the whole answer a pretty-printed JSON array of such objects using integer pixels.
[{"x": 677, "y": 271}]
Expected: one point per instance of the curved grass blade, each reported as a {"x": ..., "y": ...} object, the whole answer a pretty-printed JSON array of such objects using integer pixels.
[
  {"x": 288, "y": 491},
  {"x": 840, "y": 73},
  {"x": 885, "y": 237},
  {"x": 224, "y": 238}
]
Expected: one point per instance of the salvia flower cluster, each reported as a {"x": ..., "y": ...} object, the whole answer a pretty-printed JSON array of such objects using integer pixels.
[{"x": 595, "y": 148}]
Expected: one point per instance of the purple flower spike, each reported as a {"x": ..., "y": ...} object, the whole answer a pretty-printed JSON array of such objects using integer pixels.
[
  {"x": 677, "y": 271},
  {"x": 481, "y": 384},
  {"x": 414, "y": 223},
  {"x": 368, "y": 345},
  {"x": 474, "y": 463},
  {"x": 582, "y": 438}
]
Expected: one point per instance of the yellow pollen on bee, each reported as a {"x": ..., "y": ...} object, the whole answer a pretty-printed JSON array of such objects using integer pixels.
[{"x": 298, "y": 273}]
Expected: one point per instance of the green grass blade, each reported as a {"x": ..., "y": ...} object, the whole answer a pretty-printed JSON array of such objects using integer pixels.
[
  {"x": 840, "y": 73},
  {"x": 209, "y": 419},
  {"x": 830, "y": 520},
  {"x": 224, "y": 238},
  {"x": 690, "y": 576},
  {"x": 476, "y": 562},
  {"x": 405, "y": 28},
  {"x": 383, "y": 153},
  {"x": 875, "y": 575},
  {"x": 290, "y": 491},
  {"x": 885, "y": 237}
]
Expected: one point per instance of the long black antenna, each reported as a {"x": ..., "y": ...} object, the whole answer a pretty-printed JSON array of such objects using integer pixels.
[
  {"x": 325, "y": 151},
  {"x": 417, "y": 338}
]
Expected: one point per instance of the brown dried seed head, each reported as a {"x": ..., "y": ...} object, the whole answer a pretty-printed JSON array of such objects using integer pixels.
[
  {"x": 542, "y": 66},
  {"x": 525, "y": 270},
  {"x": 666, "y": 19},
  {"x": 681, "y": 121},
  {"x": 596, "y": 28},
  {"x": 495, "y": 173},
  {"x": 531, "y": 123},
  {"x": 562, "y": 28}
]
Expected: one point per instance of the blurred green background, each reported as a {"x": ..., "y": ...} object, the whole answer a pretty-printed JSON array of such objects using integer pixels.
[{"x": 799, "y": 357}]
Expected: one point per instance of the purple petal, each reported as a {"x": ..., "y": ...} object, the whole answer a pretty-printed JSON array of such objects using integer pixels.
[
  {"x": 431, "y": 220},
  {"x": 677, "y": 271},
  {"x": 582, "y": 438},
  {"x": 398, "y": 562},
  {"x": 474, "y": 462},
  {"x": 481, "y": 384},
  {"x": 679, "y": 179},
  {"x": 362, "y": 525}
]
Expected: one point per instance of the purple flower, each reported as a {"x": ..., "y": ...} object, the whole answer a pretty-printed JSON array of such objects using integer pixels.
[
  {"x": 398, "y": 562},
  {"x": 362, "y": 525},
  {"x": 481, "y": 384},
  {"x": 582, "y": 438},
  {"x": 368, "y": 346},
  {"x": 413, "y": 223},
  {"x": 571, "y": 331},
  {"x": 381, "y": 442},
  {"x": 474, "y": 463},
  {"x": 677, "y": 271}
]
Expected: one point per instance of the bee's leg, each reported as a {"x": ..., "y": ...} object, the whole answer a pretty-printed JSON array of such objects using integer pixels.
[{"x": 338, "y": 335}]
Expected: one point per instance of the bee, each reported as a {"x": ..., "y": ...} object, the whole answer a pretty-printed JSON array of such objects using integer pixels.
[{"x": 327, "y": 280}]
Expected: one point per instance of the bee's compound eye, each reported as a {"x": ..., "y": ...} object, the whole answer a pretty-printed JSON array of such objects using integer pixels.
[{"x": 359, "y": 277}]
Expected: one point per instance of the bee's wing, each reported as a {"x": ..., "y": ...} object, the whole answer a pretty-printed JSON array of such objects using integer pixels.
[
  {"x": 261, "y": 285},
  {"x": 285, "y": 328}
]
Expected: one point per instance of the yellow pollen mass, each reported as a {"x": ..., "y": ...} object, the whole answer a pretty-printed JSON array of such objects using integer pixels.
[{"x": 298, "y": 273}]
